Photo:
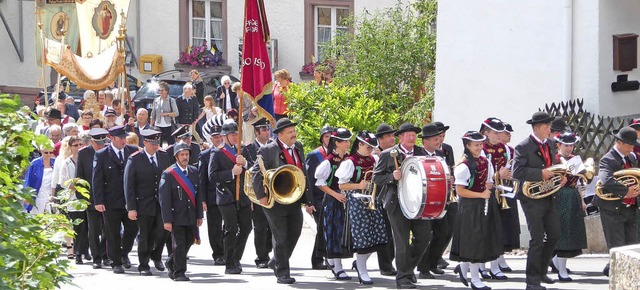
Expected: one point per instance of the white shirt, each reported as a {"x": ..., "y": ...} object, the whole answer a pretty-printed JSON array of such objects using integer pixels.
[
  {"x": 295, "y": 159},
  {"x": 346, "y": 169},
  {"x": 161, "y": 122},
  {"x": 115, "y": 150},
  {"x": 463, "y": 175},
  {"x": 155, "y": 159},
  {"x": 537, "y": 139},
  {"x": 228, "y": 101}
]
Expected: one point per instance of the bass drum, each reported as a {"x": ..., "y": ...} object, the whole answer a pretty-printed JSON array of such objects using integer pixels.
[{"x": 424, "y": 187}]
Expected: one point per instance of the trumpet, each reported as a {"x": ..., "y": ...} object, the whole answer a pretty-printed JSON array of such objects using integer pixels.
[
  {"x": 627, "y": 177},
  {"x": 542, "y": 189},
  {"x": 368, "y": 194}
]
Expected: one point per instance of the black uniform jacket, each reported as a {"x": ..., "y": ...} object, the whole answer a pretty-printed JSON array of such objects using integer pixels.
[
  {"x": 529, "y": 161},
  {"x": 193, "y": 156},
  {"x": 383, "y": 175},
  {"x": 273, "y": 158},
  {"x": 175, "y": 203},
  {"x": 609, "y": 164},
  {"x": 108, "y": 177},
  {"x": 207, "y": 188},
  {"x": 84, "y": 168},
  {"x": 220, "y": 167},
  {"x": 142, "y": 180}
]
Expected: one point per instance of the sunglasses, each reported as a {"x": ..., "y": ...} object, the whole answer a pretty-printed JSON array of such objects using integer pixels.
[
  {"x": 47, "y": 152},
  {"x": 162, "y": 90},
  {"x": 75, "y": 145}
]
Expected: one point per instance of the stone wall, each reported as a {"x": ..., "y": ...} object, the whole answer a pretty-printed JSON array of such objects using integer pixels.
[{"x": 625, "y": 268}]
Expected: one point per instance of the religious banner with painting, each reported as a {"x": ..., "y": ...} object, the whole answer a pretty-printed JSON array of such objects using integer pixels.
[
  {"x": 58, "y": 20},
  {"x": 100, "y": 21}
]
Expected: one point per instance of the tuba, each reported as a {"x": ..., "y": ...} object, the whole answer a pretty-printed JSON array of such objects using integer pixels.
[
  {"x": 284, "y": 185},
  {"x": 368, "y": 194},
  {"x": 627, "y": 177},
  {"x": 542, "y": 189}
]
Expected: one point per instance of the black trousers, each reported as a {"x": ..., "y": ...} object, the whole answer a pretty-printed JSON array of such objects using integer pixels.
[
  {"x": 96, "y": 235},
  {"x": 214, "y": 227},
  {"x": 285, "y": 222},
  {"x": 182, "y": 237},
  {"x": 386, "y": 254},
  {"x": 319, "y": 247},
  {"x": 261, "y": 234},
  {"x": 119, "y": 246},
  {"x": 152, "y": 240},
  {"x": 81, "y": 240},
  {"x": 620, "y": 227},
  {"x": 166, "y": 135},
  {"x": 442, "y": 231},
  {"x": 408, "y": 254},
  {"x": 236, "y": 229},
  {"x": 544, "y": 227}
]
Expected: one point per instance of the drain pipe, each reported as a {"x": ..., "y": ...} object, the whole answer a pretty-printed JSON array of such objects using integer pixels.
[{"x": 568, "y": 53}]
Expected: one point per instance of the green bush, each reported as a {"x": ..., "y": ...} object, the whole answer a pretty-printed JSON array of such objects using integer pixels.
[
  {"x": 29, "y": 244},
  {"x": 351, "y": 107}
]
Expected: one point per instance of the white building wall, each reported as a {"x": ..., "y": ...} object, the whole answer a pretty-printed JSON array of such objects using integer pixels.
[
  {"x": 501, "y": 59},
  {"x": 585, "y": 53},
  {"x": 14, "y": 72},
  {"x": 159, "y": 23},
  {"x": 617, "y": 17}
]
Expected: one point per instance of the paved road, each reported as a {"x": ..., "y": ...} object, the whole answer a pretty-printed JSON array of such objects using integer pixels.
[{"x": 586, "y": 273}]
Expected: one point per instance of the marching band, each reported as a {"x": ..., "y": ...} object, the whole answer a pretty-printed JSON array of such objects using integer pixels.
[{"x": 366, "y": 193}]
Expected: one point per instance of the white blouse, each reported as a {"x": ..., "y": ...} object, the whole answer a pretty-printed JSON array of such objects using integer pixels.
[
  {"x": 346, "y": 169},
  {"x": 463, "y": 175},
  {"x": 323, "y": 172}
]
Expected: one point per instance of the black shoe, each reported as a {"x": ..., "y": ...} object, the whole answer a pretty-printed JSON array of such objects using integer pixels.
[
  {"x": 87, "y": 257},
  {"x": 505, "y": 269},
  {"x": 405, "y": 285},
  {"x": 463, "y": 279},
  {"x": 107, "y": 262},
  {"x": 145, "y": 273},
  {"x": 413, "y": 279},
  {"x": 535, "y": 287},
  {"x": 563, "y": 279},
  {"x": 159, "y": 265},
  {"x": 272, "y": 265},
  {"x": 341, "y": 278},
  {"x": 320, "y": 267},
  {"x": 442, "y": 264},
  {"x": 126, "y": 263},
  {"x": 546, "y": 279},
  {"x": 262, "y": 264},
  {"x": 426, "y": 275},
  {"x": 485, "y": 274},
  {"x": 605, "y": 271},
  {"x": 391, "y": 272},
  {"x": 497, "y": 276},
  {"x": 480, "y": 288},
  {"x": 437, "y": 271},
  {"x": 79, "y": 260},
  {"x": 118, "y": 270},
  {"x": 181, "y": 278},
  {"x": 97, "y": 265},
  {"x": 171, "y": 275},
  {"x": 219, "y": 262},
  {"x": 555, "y": 270},
  {"x": 233, "y": 271},
  {"x": 354, "y": 266},
  {"x": 286, "y": 280}
]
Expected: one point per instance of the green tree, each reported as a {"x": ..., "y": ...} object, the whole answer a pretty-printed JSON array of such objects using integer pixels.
[
  {"x": 29, "y": 244},
  {"x": 392, "y": 54}
]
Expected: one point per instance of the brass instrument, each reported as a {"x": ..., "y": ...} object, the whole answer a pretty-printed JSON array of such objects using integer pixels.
[
  {"x": 627, "y": 177},
  {"x": 542, "y": 189},
  {"x": 284, "y": 185},
  {"x": 368, "y": 194},
  {"x": 586, "y": 175},
  {"x": 503, "y": 185},
  {"x": 452, "y": 191}
]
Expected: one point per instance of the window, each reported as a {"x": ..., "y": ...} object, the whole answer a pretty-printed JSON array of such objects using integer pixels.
[
  {"x": 206, "y": 23},
  {"x": 329, "y": 22}
]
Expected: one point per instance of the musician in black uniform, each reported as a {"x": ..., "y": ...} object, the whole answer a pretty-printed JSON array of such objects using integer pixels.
[
  {"x": 312, "y": 161},
  {"x": 181, "y": 207},
  {"x": 386, "y": 254},
  {"x": 84, "y": 170},
  {"x": 261, "y": 231},
  {"x": 285, "y": 221},
  {"x": 213, "y": 127},
  {"x": 109, "y": 198},
  {"x": 442, "y": 229},
  {"x": 452, "y": 206},
  {"x": 142, "y": 176},
  {"x": 618, "y": 216},
  {"x": 386, "y": 177},
  {"x": 182, "y": 134},
  {"x": 532, "y": 156},
  {"x": 225, "y": 166}
]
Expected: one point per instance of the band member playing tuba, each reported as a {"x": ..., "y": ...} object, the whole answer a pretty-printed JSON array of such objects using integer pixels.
[
  {"x": 368, "y": 229},
  {"x": 532, "y": 156},
  {"x": 476, "y": 238},
  {"x": 571, "y": 207},
  {"x": 409, "y": 249},
  {"x": 619, "y": 215},
  {"x": 334, "y": 203},
  {"x": 509, "y": 213},
  {"x": 285, "y": 220}
]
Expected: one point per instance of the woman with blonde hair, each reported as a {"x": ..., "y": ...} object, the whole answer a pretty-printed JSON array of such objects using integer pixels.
[
  {"x": 198, "y": 85},
  {"x": 280, "y": 108}
]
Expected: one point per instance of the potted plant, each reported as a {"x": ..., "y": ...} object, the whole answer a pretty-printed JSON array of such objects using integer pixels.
[{"x": 201, "y": 56}]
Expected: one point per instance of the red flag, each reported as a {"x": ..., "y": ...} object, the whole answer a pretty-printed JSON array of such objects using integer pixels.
[{"x": 256, "y": 68}]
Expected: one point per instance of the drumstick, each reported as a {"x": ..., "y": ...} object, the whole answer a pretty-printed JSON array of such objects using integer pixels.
[{"x": 394, "y": 154}]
